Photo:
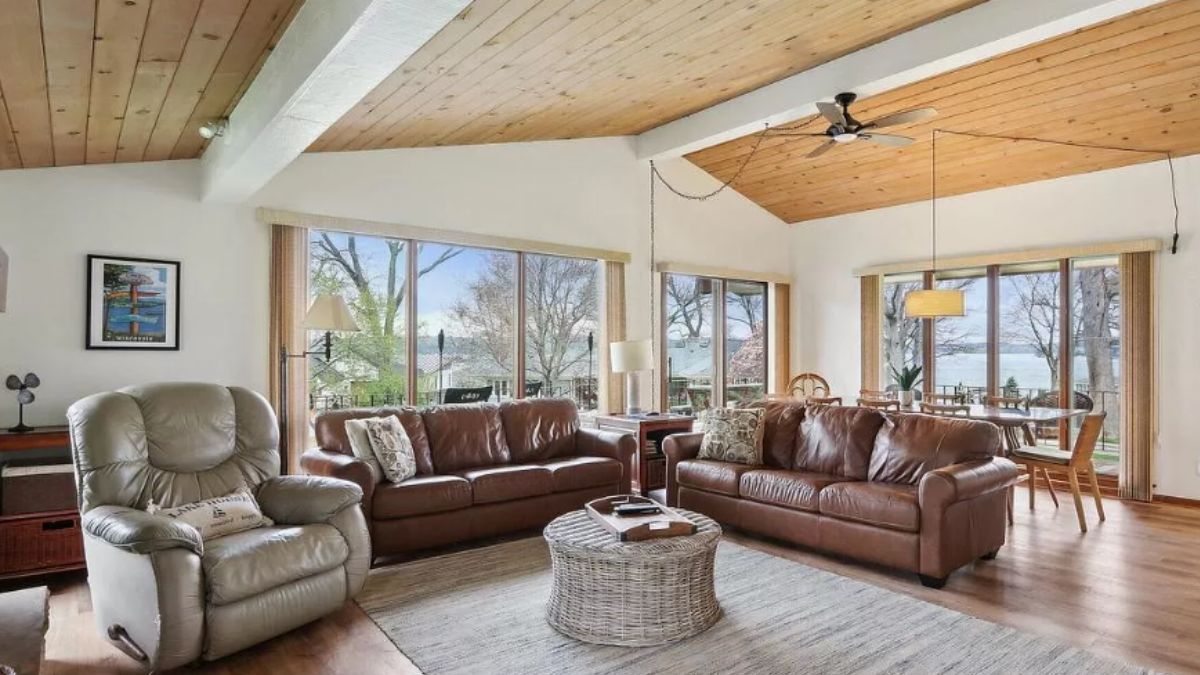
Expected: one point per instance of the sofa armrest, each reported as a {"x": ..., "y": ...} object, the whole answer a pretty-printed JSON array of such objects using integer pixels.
[
  {"x": 960, "y": 482},
  {"x": 611, "y": 444},
  {"x": 679, "y": 448},
  {"x": 302, "y": 500},
  {"x": 140, "y": 532},
  {"x": 318, "y": 462}
]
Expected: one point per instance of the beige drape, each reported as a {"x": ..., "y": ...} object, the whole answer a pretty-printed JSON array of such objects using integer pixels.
[
  {"x": 289, "y": 301},
  {"x": 1138, "y": 406},
  {"x": 871, "y": 330},
  {"x": 614, "y": 331},
  {"x": 781, "y": 336}
]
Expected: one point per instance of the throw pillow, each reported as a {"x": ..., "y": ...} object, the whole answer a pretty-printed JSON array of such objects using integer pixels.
[
  {"x": 360, "y": 444},
  {"x": 393, "y": 448},
  {"x": 733, "y": 435},
  {"x": 219, "y": 516}
]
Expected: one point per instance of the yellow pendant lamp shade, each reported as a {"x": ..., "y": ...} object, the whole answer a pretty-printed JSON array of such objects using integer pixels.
[{"x": 930, "y": 304}]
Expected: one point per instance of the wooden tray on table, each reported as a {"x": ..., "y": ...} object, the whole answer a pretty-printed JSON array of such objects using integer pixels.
[{"x": 666, "y": 523}]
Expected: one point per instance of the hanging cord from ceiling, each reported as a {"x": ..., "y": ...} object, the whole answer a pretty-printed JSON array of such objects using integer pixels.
[
  {"x": 655, "y": 173},
  {"x": 1091, "y": 146}
]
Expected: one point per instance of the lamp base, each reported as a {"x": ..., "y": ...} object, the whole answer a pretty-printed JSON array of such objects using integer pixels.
[{"x": 631, "y": 395}]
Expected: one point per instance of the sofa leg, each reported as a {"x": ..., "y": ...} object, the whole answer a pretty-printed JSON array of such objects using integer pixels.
[
  {"x": 990, "y": 555},
  {"x": 932, "y": 582}
]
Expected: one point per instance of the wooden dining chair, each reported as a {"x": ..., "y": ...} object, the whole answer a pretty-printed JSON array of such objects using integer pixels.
[
  {"x": 1006, "y": 402},
  {"x": 824, "y": 400},
  {"x": 1044, "y": 459},
  {"x": 873, "y": 394},
  {"x": 946, "y": 410},
  {"x": 805, "y": 385},
  {"x": 879, "y": 404},
  {"x": 946, "y": 399}
]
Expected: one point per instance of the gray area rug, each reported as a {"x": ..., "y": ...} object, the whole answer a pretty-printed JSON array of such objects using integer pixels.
[{"x": 482, "y": 611}]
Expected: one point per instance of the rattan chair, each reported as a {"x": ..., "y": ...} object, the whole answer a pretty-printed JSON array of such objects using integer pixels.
[
  {"x": 947, "y": 399},
  {"x": 1007, "y": 401},
  {"x": 946, "y": 410},
  {"x": 824, "y": 400},
  {"x": 805, "y": 385},
  {"x": 1045, "y": 459},
  {"x": 879, "y": 404}
]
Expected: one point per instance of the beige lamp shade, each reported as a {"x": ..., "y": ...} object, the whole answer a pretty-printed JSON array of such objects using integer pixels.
[
  {"x": 933, "y": 303},
  {"x": 329, "y": 312},
  {"x": 631, "y": 356}
]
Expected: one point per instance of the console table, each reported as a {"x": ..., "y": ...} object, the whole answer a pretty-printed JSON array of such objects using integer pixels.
[
  {"x": 650, "y": 464},
  {"x": 40, "y": 531}
]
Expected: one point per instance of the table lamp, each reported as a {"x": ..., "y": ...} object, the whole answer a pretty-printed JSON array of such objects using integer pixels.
[{"x": 631, "y": 357}]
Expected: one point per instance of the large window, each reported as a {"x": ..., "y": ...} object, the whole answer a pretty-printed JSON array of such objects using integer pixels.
[
  {"x": 902, "y": 337},
  {"x": 960, "y": 343},
  {"x": 702, "y": 313},
  {"x": 467, "y": 332},
  {"x": 1030, "y": 331},
  {"x": 1095, "y": 375}
]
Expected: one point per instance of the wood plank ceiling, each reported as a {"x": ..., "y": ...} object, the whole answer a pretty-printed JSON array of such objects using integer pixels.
[
  {"x": 1131, "y": 82},
  {"x": 92, "y": 81},
  {"x": 520, "y": 70}
]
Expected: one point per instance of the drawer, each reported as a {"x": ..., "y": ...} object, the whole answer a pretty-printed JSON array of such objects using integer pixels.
[{"x": 45, "y": 541}]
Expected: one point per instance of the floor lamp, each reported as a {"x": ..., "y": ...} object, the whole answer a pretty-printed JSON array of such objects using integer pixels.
[{"x": 328, "y": 313}]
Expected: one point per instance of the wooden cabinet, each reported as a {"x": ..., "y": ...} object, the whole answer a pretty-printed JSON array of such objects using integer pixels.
[
  {"x": 649, "y": 465},
  {"x": 39, "y": 532}
]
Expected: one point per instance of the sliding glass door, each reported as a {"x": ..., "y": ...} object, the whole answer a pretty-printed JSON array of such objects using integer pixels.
[{"x": 690, "y": 342}]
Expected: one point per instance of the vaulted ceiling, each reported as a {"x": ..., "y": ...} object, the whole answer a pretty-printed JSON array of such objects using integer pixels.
[
  {"x": 92, "y": 81},
  {"x": 1130, "y": 82},
  {"x": 520, "y": 70}
]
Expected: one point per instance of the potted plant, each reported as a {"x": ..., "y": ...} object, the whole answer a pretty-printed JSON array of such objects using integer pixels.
[{"x": 906, "y": 379}]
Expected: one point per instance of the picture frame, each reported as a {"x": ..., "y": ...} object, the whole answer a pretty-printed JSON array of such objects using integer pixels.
[{"x": 132, "y": 303}]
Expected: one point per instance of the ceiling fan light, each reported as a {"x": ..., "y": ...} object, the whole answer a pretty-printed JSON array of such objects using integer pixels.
[
  {"x": 845, "y": 137},
  {"x": 934, "y": 303}
]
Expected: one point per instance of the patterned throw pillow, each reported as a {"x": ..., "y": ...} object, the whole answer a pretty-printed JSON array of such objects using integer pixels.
[
  {"x": 360, "y": 444},
  {"x": 733, "y": 435},
  {"x": 392, "y": 447},
  {"x": 219, "y": 516}
]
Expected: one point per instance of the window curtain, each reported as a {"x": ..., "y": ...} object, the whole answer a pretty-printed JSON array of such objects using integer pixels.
[
  {"x": 781, "y": 336},
  {"x": 871, "y": 330},
  {"x": 289, "y": 301},
  {"x": 614, "y": 331},
  {"x": 1138, "y": 407}
]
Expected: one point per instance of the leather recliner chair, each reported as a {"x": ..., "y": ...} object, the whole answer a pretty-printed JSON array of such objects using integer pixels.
[{"x": 160, "y": 593}]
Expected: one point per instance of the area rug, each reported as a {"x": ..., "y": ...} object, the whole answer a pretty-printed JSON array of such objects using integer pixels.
[{"x": 482, "y": 611}]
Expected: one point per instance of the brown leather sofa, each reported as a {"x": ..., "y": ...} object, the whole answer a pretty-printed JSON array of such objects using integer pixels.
[
  {"x": 482, "y": 469},
  {"x": 916, "y": 492}
]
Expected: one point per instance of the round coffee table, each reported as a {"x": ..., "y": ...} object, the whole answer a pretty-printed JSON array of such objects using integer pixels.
[{"x": 631, "y": 594}]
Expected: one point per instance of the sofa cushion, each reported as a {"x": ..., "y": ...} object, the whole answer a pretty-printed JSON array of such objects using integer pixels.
[
  {"x": 792, "y": 489},
  {"x": 505, "y": 483},
  {"x": 837, "y": 440},
  {"x": 420, "y": 495},
  {"x": 579, "y": 473},
  {"x": 733, "y": 435},
  {"x": 537, "y": 429},
  {"x": 909, "y": 446},
  {"x": 880, "y": 504},
  {"x": 330, "y": 431},
  {"x": 780, "y": 426},
  {"x": 241, "y": 565},
  {"x": 711, "y": 475},
  {"x": 465, "y": 436}
]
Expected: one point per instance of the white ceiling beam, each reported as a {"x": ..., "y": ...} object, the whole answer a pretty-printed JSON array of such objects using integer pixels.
[
  {"x": 972, "y": 35},
  {"x": 333, "y": 54}
]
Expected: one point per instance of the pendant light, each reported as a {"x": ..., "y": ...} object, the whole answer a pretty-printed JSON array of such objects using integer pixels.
[{"x": 932, "y": 303}]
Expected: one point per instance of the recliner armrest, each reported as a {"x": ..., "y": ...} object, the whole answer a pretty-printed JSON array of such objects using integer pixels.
[
  {"x": 137, "y": 531},
  {"x": 679, "y": 448},
  {"x": 301, "y": 500},
  {"x": 318, "y": 462},
  {"x": 960, "y": 482},
  {"x": 611, "y": 444}
]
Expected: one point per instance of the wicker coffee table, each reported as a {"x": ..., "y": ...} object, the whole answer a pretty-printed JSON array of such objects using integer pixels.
[{"x": 631, "y": 594}]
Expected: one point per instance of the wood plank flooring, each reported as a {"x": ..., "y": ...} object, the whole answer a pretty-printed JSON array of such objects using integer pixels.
[{"x": 1128, "y": 589}]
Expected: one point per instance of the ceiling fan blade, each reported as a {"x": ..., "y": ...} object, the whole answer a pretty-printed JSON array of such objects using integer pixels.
[
  {"x": 832, "y": 112},
  {"x": 906, "y": 117},
  {"x": 821, "y": 149},
  {"x": 797, "y": 133},
  {"x": 887, "y": 139}
]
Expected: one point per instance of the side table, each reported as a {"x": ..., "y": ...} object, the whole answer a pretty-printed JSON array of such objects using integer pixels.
[{"x": 650, "y": 464}]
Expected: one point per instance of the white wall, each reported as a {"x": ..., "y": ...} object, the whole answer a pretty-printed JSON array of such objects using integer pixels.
[
  {"x": 1127, "y": 203},
  {"x": 50, "y": 219},
  {"x": 589, "y": 192},
  {"x": 586, "y": 192}
]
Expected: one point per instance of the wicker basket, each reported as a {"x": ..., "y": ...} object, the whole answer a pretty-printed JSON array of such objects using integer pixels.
[{"x": 631, "y": 594}]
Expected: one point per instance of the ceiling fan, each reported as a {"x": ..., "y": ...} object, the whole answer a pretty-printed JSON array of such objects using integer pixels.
[{"x": 843, "y": 128}]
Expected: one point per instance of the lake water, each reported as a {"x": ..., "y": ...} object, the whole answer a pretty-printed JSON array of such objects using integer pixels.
[{"x": 1029, "y": 369}]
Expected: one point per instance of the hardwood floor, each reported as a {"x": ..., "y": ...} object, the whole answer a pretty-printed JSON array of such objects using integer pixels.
[{"x": 1128, "y": 589}]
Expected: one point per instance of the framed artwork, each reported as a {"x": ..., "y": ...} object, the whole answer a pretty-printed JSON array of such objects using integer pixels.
[{"x": 132, "y": 303}]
